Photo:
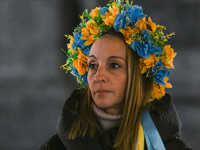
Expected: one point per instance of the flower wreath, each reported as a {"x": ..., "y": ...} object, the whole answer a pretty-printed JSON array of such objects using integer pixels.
[{"x": 144, "y": 37}]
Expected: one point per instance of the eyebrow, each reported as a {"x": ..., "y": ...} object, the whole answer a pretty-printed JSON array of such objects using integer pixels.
[
  {"x": 92, "y": 56},
  {"x": 116, "y": 57}
]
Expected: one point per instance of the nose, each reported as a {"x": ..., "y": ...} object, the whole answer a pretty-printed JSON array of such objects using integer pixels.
[{"x": 100, "y": 75}]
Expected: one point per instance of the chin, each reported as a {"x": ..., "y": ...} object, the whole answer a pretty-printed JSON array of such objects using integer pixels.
[{"x": 103, "y": 104}]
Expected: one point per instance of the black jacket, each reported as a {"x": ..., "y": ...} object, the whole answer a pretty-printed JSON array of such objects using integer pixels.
[{"x": 164, "y": 116}]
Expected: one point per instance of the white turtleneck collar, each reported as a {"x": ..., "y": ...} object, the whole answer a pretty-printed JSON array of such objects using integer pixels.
[{"x": 107, "y": 120}]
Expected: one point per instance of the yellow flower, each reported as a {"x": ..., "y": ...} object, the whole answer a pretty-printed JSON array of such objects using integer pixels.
[
  {"x": 167, "y": 85},
  {"x": 94, "y": 12},
  {"x": 168, "y": 56},
  {"x": 95, "y": 30},
  {"x": 150, "y": 25},
  {"x": 114, "y": 10},
  {"x": 86, "y": 33},
  {"x": 91, "y": 24},
  {"x": 128, "y": 32},
  {"x": 81, "y": 63},
  {"x": 69, "y": 45},
  {"x": 90, "y": 40},
  {"x": 159, "y": 90},
  {"x": 89, "y": 32},
  {"x": 143, "y": 24},
  {"x": 148, "y": 63},
  {"x": 82, "y": 16},
  {"x": 156, "y": 37},
  {"x": 110, "y": 16}
]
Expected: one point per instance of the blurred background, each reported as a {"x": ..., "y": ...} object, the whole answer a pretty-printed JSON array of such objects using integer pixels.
[{"x": 33, "y": 88}]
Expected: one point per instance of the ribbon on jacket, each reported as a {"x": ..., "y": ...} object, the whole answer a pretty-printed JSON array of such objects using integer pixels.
[
  {"x": 152, "y": 137},
  {"x": 140, "y": 139}
]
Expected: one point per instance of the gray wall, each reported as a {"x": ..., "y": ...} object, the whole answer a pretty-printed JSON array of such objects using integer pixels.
[{"x": 33, "y": 88}]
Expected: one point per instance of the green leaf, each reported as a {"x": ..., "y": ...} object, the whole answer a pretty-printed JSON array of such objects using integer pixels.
[
  {"x": 64, "y": 51},
  {"x": 69, "y": 61},
  {"x": 75, "y": 56},
  {"x": 109, "y": 5}
]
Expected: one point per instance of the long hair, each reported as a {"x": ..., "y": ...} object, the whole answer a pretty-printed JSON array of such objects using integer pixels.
[{"x": 137, "y": 97}]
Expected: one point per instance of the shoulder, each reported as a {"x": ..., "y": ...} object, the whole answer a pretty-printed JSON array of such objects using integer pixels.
[
  {"x": 165, "y": 117},
  {"x": 74, "y": 101},
  {"x": 66, "y": 118},
  {"x": 54, "y": 143},
  {"x": 167, "y": 122},
  {"x": 69, "y": 112},
  {"x": 71, "y": 108}
]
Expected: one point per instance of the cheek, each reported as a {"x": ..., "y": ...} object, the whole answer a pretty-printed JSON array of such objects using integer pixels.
[
  {"x": 89, "y": 79},
  {"x": 90, "y": 84},
  {"x": 122, "y": 84}
]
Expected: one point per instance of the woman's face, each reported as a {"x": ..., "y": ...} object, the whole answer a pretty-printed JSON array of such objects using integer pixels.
[{"x": 107, "y": 73}]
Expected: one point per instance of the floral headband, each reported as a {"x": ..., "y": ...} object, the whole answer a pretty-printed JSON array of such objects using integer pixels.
[{"x": 144, "y": 37}]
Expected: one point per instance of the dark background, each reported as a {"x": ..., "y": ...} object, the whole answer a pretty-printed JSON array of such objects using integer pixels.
[{"x": 33, "y": 88}]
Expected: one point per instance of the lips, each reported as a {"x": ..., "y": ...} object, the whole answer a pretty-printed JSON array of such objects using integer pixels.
[{"x": 102, "y": 91}]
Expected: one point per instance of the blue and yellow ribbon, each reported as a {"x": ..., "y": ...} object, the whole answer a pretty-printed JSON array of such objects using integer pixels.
[{"x": 148, "y": 131}]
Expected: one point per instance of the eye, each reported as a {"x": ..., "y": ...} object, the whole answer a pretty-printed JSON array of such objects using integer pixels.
[
  {"x": 92, "y": 66},
  {"x": 114, "y": 65}
]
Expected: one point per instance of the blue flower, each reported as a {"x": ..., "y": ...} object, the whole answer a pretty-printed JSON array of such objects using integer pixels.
[
  {"x": 75, "y": 72},
  {"x": 160, "y": 72},
  {"x": 152, "y": 49},
  {"x": 136, "y": 45},
  {"x": 145, "y": 50},
  {"x": 142, "y": 49},
  {"x": 83, "y": 77},
  {"x": 135, "y": 13},
  {"x": 155, "y": 50},
  {"x": 103, "y": 11},
  {"x": 145, "y": 33},
  {"x": 120, "y": 21},
  {"x": 78, "y": 42},
  {"x": 86, "y": 50}
]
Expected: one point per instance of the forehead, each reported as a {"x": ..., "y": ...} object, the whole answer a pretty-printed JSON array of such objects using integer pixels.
[{"x": 108, "y": 45}]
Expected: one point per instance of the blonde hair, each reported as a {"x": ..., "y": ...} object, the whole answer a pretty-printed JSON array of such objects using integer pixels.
[{"x": 137, "y": 98}]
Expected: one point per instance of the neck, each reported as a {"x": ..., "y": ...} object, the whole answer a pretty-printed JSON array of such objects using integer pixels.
[{"x": 107, "y": 120}]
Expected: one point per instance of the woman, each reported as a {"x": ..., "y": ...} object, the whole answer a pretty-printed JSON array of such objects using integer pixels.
[{"x": 123, "y": 61}]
